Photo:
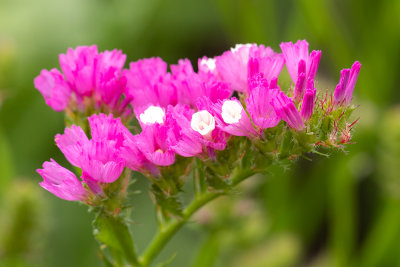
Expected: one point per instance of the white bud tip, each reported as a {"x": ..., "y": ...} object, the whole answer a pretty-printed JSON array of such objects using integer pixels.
[
  {"x": 238, "y": 46},
  {"x": 152, "y": 114},
  {"x": 231, "y": 111},
  {"x": 209, "y": 63},
  {"x": 203, "y": 122}
]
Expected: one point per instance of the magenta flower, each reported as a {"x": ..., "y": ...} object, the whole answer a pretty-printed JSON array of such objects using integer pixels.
[
  {"x": 191, "y": 85},
  {"x": 181, "y": 138},
  {"x": 194, "y": 133},
  {"x": 135, "y": 159},
  {"x": 61, "y": 182},
  {"x": 203, "y": 128},
  {"x": 301, "y": 65},
  {"x": 99, "y": 158},
  {"x": 307, "y": 106},
  {"x": 106, "y": 127},
  {"x": 344, "y": 90},
  {"x": 285, "y": 108},
  {"x": 86, "y": 74},
  {"x": 148, "y": 83},
  {"x": 232, "y": 118},
  {"x": 152, "y": 142},
  {"x": 259, "y": 102},
  {"x": 71, "y": 143},
  {"x": 54, "y": 89},
  {"x": 101, "y": 161},
  {"x": 243, "y": 61}
]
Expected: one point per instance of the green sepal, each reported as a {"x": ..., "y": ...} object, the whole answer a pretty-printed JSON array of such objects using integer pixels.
[
  {"x": 216, "y": 181},
  {"x": 173, "y": 177},
  {"x": 169, "y": 204},
  {"x": 115, "y": 235},
  {"x": 286, "y": 146}
]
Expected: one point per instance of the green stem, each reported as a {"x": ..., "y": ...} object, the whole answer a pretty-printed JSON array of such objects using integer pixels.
[{"x": 166, "y": 232}]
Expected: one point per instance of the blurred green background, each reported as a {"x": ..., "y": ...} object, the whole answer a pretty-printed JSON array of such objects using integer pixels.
[{"x": 337, "y": 211}]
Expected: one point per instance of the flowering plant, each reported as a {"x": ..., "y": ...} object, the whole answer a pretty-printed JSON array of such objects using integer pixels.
[{"x": 226, "y": 122}]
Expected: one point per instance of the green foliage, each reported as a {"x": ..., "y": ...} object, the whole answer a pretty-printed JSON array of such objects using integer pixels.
[{"x": 6, "y": 166}]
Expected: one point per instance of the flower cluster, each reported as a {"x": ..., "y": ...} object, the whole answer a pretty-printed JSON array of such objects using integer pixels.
[
  {"x": 88, "y": 80},
  {"x": 99, "y": 159},
  {"x": 184, "y": 114}
]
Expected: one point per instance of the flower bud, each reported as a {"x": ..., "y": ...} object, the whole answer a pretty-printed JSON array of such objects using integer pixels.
[
  {"x": 152, "y": 114},
  {"x": 203, "y": 122}
]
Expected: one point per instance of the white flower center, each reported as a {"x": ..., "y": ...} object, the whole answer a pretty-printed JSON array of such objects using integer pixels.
[
  {"x": 152, "y": 114},
  {"x": 231, "y": 111},
  {"x": 203, "y": 122},
  {"x": 209, "y": 63}
]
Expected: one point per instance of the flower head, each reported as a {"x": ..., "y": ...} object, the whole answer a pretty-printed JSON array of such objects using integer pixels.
[{"x": 99, "y": 158}]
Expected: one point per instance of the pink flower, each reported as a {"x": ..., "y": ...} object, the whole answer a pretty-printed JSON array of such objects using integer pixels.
[
  {"x": 307, "y": 106},
  {"x": 61, "y": 182},
  {"x": 259, "y": 102},
  {"x": 301, "y": 65},
  {"x": 344, "y": 90},
  {"x": 193, "y": 133},
  {"x": 134, "y": 158},
  {"x": 148, "y": 83},
  {"x": 181, "y": 138},
  {"x": 71, "y": 143},
  {"x": 203, "y": 128},
  {"x": 191, "y": 86},
  {"x": 243, "y": 61},
  {"x": 101, "y": 161},
  {"x": 106, "y": 127},
  {"x": 232, "y": 118},
  {"x": 99, "y": 158},
  {"x": 78, "y": 66},
  {"x": 54, "y": 89},
  {"x": 152, "y": 142},
  {"x": 87, "y": 74},
  {"x": 285, "y": 108}
]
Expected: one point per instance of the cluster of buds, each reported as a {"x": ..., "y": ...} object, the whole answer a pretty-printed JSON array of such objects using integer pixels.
[{"x": 229, "y": 113}]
